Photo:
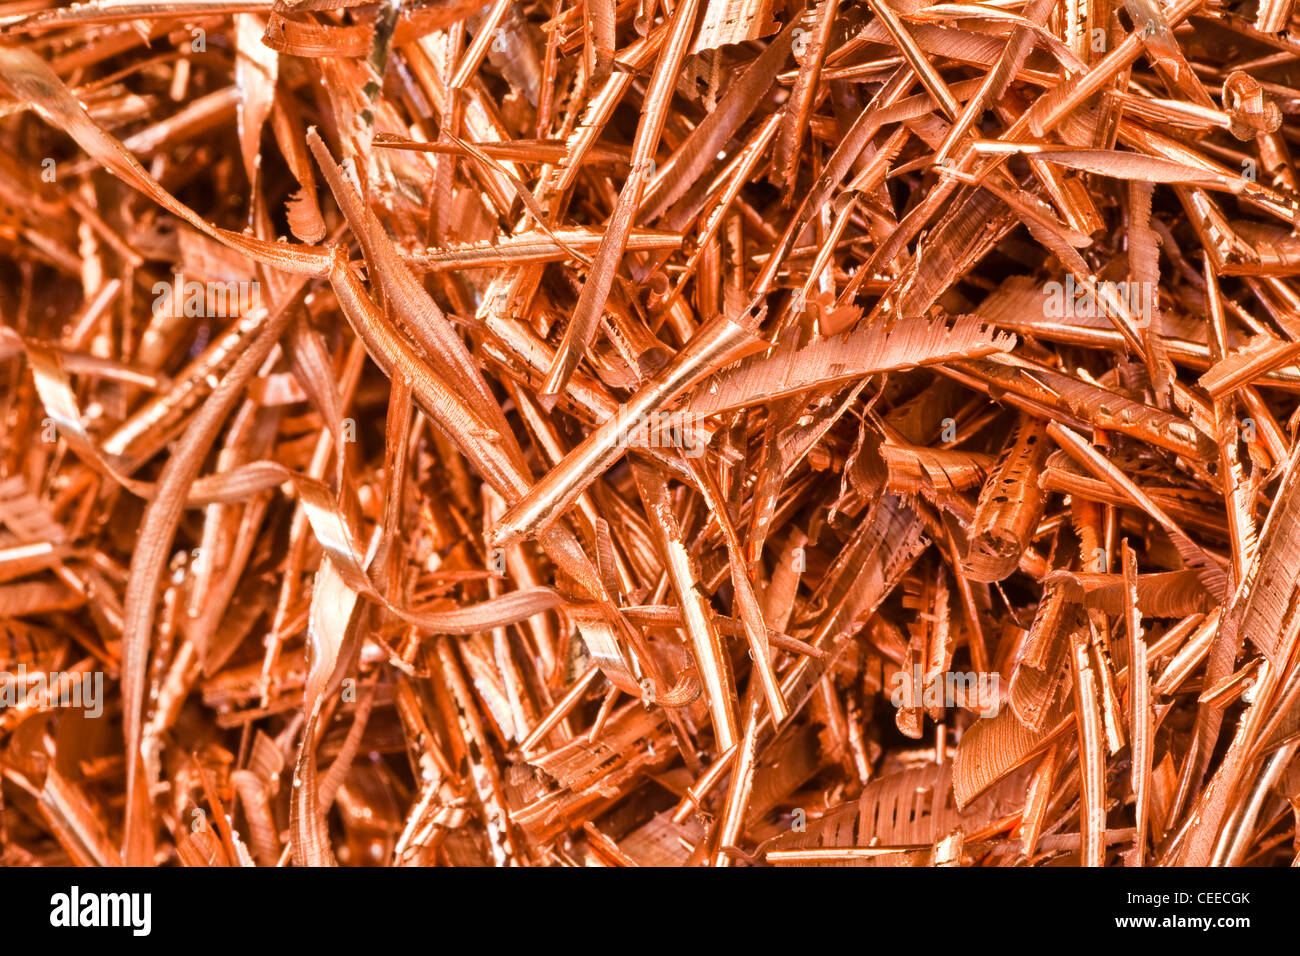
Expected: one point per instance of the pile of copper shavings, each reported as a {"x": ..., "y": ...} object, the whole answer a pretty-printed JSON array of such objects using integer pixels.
[{"x": 616, "y": 433}]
